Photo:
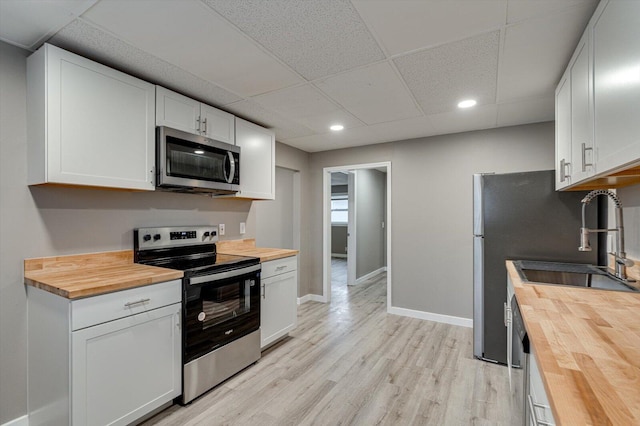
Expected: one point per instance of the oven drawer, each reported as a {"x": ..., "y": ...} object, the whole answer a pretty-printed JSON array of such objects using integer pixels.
[
  {"x": 120, "y": 304},
  {"x": 279, "y": 266}
]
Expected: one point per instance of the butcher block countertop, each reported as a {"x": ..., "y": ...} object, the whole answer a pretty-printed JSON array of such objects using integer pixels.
[
  {"x": 248, "y": 247},
  {"x": 85, "y": 275},
  {"x": 587, "y": 345}
]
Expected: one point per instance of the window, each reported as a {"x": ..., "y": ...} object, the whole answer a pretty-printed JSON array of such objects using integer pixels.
[{"x": 339, "y": 209}]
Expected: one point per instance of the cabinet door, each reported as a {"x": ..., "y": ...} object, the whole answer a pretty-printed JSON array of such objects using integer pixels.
[
  {"x": 218, "y": 125},
  {"x": 538, "y": 403},
  {"x": 581, "y": 120},
  {"x": 616, "y": 72},
  {"x": 279, "y": 307},
  {"x": 100, "y": 126},
  {"x": 123, "y": 369},
  {"x": 257, "y": 160},
  {"x": 563, "y": 133},
  {"x": 177, "y": 111}
]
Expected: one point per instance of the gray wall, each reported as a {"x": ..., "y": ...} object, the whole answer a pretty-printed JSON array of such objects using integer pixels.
[
  {"x": 47, "y": 221},
  {"x": 275, "y": 218},
  {"x": 432, "y": 207},
  {"x": 369, "y": 201},
  {"x": 339, "y": 239}
]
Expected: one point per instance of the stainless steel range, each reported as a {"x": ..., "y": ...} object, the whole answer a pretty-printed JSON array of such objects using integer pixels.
[{"x": 221, "y": 302}]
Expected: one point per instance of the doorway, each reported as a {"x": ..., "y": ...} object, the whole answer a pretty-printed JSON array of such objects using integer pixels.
[{"x": 358, "y": 269}]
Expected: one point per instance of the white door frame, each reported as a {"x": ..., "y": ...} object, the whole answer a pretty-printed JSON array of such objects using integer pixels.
[
  {"x": 352, "y": 241},
  {"x": 326, "y": 225}
]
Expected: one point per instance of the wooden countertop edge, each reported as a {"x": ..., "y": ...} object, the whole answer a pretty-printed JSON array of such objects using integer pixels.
[{"x": 554, "y": 371}]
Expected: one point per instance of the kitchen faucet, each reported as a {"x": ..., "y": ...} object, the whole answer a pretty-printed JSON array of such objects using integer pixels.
[{"x": 621, "y": 261}]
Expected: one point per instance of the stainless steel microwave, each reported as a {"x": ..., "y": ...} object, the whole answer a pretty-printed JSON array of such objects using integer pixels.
[{"x": 191, "y": 163}]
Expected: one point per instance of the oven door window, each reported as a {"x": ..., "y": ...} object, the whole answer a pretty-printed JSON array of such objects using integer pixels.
[
  {"x": 193, "y": 161},
  {"x": 220, "y": 304}
]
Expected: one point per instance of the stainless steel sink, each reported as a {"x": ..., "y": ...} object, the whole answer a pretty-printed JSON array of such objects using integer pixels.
[{"x": 573, "y": 274}]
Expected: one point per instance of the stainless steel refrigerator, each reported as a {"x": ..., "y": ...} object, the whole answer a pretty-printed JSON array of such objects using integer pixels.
[{"x": 518, "y": 216}]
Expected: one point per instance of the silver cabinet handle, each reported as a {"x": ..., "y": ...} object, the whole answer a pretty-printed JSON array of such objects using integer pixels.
[
  {"x": 532, "y": 409},
  {"x": 564, "y": 166},
  {"x": 264, "y": 291},
  {"x": 204, "y": 122},
  {"x": 280, "y": 268},
  {"x": 137, "y": 302},
  {"x": 584, "y": 157},
  {"x": 198, "y": 121}
]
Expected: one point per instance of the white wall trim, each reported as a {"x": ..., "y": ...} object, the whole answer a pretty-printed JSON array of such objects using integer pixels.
[
  {"x": 370, "y": 275},
  {"x": 429, "y": 316},
  {"x": 311, "y": 298},
  {"x": 20, "y": 421}
]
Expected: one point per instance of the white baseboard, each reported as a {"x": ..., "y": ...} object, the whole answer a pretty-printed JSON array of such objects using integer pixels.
[
  {"x": 429, "y": 316},
  {"x": 370, "y": 275},
  {"x": 311, "y": 298},
  {"x": 340, "y": 255},
  {"x": 20, "y": 421}
]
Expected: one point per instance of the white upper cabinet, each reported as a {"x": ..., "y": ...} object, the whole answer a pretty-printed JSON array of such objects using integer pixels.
[
  {"x": 563, "y": 133},
  {"x": 582, "y": 146},
  {"x": 183, "y": 113},
  {"x": 616, "y": 73},
  {"x": 257, "y": 161},
  {"x": 88, "y": 124},
  {"x": 597, "y": 119}
]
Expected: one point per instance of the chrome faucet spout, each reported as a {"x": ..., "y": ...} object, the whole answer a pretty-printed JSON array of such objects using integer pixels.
[{"x": 621, "y": 261}]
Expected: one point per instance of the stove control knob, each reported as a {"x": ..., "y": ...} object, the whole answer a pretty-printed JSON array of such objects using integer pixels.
[
  {"x": 146, "y": 237},
  {"x": 206, "y": 234},
  {"x": 213, "y": 234},
  {"x": 156, "y": 237}
]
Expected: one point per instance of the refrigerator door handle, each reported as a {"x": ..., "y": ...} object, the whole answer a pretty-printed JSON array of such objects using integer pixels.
[
  {"x": 478, "y": 220},
  {"x": 478, "y": 297}
]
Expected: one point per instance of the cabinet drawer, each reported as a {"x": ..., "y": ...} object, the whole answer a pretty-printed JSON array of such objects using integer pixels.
[
  {"x": 108, "y": 307},
  {"x": 279, "y": 266}
]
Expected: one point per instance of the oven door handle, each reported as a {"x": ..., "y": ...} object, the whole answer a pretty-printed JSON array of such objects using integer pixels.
[{"x": 224, "y": 275}]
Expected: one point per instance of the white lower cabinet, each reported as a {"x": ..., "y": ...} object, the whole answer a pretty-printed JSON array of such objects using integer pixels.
[
  {"x": 104, "y": 360},
  {"x": 537, "y": 400},
  {"x": 279, "y": 307}
]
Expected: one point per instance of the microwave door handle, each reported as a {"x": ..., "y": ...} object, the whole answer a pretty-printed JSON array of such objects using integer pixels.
[{"x": 232, "y": 169}]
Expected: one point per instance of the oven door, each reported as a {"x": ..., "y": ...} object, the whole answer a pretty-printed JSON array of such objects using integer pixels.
[
  {"x": 219, "y": 308},
  {"x": 195, "y": 162}
]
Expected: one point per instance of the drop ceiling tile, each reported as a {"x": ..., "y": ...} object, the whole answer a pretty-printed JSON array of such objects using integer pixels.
[
  {"x": 442, "y": 76},
  {"x": 320, "y": 123},
  {"x": 374, "y": 94},
  {"x": 526, "y": 111},
  {"x": 537, "y": 51},
  {"x": 297, "y": 102},
  {"x": 518, "y": 10},
  {"x": 408, "y": 25},
  {"x": 189, "y": 34},
  {"x": 316, "y": 38},
  {"x": 315, "y": 143},
  {"x": 464, "y": 120},
  {"x": 284, "y": 128},
  {"x": 411, "y": 128},
  {"x": 93, "y": 43},
  {"x": 27, "y": 23}
]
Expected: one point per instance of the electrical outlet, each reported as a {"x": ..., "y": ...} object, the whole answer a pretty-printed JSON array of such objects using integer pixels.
[
  {"x": 221, "y": 229},
  {"x": 243, "y": 228}
]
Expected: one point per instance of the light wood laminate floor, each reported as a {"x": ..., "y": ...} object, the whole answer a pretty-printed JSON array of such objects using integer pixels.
[{"x": 351, "y": 363}]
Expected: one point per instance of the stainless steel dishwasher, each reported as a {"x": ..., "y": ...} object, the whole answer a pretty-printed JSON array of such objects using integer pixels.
[{"x": 520, "y": 374}]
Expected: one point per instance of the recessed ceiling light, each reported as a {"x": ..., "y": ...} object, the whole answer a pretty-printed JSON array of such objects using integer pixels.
[
  {"x": 199, "y": 151},
  {"x": 467, "y": 103},
  {"x": 337, "y": 127}
]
